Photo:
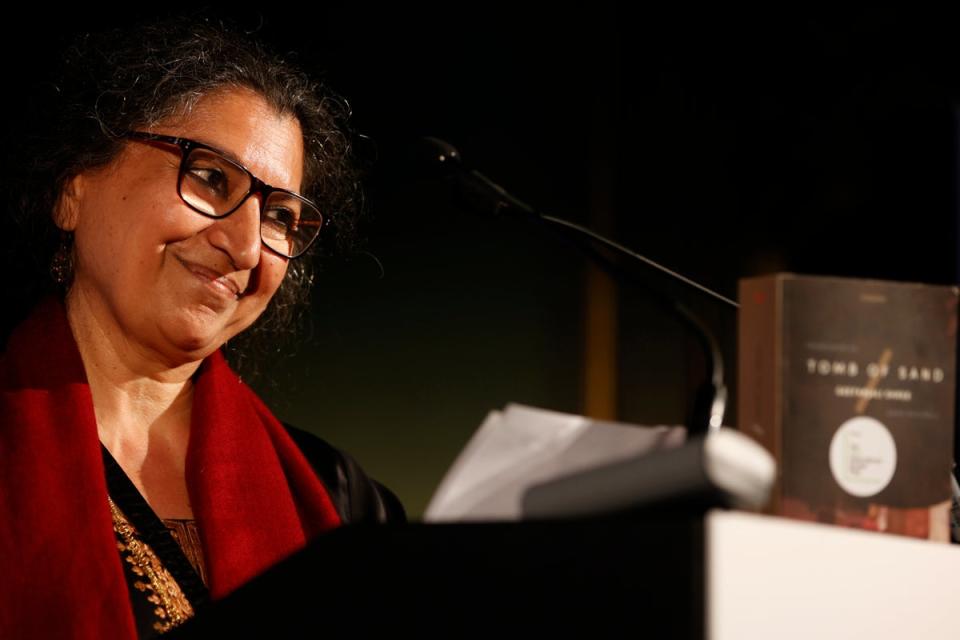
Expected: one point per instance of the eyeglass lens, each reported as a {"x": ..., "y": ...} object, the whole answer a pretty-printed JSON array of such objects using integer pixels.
[{"x": 215, "y": 186}]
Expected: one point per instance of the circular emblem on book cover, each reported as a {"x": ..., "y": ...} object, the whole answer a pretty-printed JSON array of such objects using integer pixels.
[{"x": 863, "y": 456}]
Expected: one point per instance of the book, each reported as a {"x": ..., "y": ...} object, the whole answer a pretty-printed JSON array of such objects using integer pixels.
[
  {"x": 529, "y": 463},
  {"x": 850, "y": 384}
]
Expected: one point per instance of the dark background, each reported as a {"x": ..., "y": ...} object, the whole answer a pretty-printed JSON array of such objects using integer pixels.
[{"x": 721, "y": 144}]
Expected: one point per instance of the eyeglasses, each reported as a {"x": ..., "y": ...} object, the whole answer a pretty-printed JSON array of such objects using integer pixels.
[{"x": 216, "y": 186}]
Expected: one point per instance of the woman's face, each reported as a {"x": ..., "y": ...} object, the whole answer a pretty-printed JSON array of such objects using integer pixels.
[{"x": 149, "y": 268}]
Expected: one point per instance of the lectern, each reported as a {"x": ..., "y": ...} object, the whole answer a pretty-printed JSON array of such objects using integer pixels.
[{"x": 721, "y": 575}]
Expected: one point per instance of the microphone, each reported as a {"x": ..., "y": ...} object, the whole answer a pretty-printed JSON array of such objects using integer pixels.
[
  {"x": 482, "y": 195},
  {"x": 478, "y": 193},
  {"x": 475, "y": 191}
]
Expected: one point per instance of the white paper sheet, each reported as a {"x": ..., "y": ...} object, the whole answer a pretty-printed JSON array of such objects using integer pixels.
[{"x": 522, "y": 446}]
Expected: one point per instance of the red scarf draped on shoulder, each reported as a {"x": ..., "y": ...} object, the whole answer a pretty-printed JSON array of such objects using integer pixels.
[{"x": 254, "y": 495}]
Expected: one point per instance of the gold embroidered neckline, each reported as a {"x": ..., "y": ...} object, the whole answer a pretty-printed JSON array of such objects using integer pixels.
[{"x": 172, "y": 607}]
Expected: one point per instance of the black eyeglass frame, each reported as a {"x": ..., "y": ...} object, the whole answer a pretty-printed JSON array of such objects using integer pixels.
[{"x": 258, "y": 186}]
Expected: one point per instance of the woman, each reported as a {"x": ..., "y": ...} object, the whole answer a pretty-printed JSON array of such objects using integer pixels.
[{"x": 187, "y": 175}]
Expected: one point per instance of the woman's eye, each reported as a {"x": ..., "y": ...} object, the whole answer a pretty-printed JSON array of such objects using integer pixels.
[
  {"x": 279, "y": 220},
  {"x": 212, "y": 178}
]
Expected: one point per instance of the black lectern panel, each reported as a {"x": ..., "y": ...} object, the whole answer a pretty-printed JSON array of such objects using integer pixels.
[{"x": 640, "y": 577}]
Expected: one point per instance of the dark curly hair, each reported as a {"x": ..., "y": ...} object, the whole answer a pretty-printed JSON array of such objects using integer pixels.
[{"x": 134, "y": 78}]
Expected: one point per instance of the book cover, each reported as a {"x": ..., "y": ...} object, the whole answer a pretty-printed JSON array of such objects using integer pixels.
[{"x": 850, "y": 384}]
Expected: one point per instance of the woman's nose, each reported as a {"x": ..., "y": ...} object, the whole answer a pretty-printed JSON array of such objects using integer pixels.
[{"x": 238, "y": 234}]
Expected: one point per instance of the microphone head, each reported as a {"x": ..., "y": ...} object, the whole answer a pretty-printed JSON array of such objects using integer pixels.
[
  {"x": 438, "y": 157},
  {"x": 473, "y": 190}
]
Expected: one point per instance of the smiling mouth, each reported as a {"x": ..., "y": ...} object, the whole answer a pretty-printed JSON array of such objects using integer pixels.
[{"x": 217, "y": 281}]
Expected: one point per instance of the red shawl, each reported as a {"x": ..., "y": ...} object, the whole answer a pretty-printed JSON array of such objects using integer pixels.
[{"x": 254, "y": 495}]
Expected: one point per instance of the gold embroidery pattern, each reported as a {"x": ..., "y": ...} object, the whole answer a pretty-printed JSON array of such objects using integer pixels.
[
  {"x": 188, "y": 537},
  {"x": 172, "y": 607}
]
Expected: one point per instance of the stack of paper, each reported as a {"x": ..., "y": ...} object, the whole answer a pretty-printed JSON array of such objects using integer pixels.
[{"x": 521, "y": 446}]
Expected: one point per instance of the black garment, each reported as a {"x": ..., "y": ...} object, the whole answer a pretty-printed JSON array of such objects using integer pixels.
[{"x": 357, "y": 497}]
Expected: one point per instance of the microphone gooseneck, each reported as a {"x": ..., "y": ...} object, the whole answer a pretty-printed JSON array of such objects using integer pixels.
[
  {"x": 480, "y": 194},
  {"x": 488, "y": 197}
]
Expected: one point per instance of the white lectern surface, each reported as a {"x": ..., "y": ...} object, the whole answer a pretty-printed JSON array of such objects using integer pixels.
[{"x": 771, "y": 578}]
